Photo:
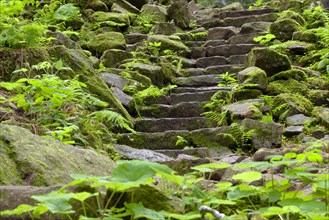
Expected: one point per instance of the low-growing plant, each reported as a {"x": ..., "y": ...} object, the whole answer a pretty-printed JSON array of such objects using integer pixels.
[{"x": 264, "y": 39}]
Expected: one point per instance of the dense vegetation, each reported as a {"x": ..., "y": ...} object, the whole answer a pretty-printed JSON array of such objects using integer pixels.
[{"x": 54, "y": 99}]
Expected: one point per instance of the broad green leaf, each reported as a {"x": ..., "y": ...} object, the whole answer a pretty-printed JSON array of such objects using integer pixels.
[
  {"x": 185, "y": 216},
  {"x": 220, "y": 202},
  {"x": 10, "y": 86},
  {"x": 137, "y": 171},
  {"x": 274, "y": 196},
  {"x": 40, "y": 210},
  {"x": 241, "y": 191},
  {"x": 256, "y": 164},
  {"x": 315, "y": 158},
  {"x": 248, "y": 177},
  {"x": 271, "y": 211},
  {"x": 290, "y": 155},
  {"x": 223, "y": 186},
  {"x": 305, "y": 206},
  {"x": 19, "y": 210},
  {"x": 82, "y": 196},
  {"x": 56, "y": 202},
  {"x": 141, "y": 212},
  {"x": 211, "y": 167}
]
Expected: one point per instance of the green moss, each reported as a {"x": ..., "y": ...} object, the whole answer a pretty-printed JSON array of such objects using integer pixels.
[
  {"x": 284, "y": 29},
  {"x": 287, "y": 86},
  {"x": 121, "y": 19},
  {"x": 106, "y": 41},
  {"x": 306, "y": 35},
  {"x": 319, "y": 97},
  {"x": 287, "y": 104},
  {"x": 317, "y": 83},
  {"x": 169, "y": 43},
  {"x": 9, "y": 175},
  {"x": 296, "y": 74},
  {"x": 289, "y": 14},
  {"x": 243, "y": 94}
]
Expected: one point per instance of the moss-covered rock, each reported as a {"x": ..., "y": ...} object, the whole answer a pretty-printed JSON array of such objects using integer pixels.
[
  {"x": 122, "y": 6},
  {"x": 287, "y": 104},
  {"x": 179, "y": 12},
  {"x": 118, "y": 18},
  {"x": 154, "y": 13},
  {"x": 322, "y": 113},
  {"x": 169, "y": 43},
  {"x": 154, "y": 72},
  {"x": 106, "y": 41},
  {"x": 266, "y": 134},
  {"x": 287, "y": 86},
  {"x": 284, "y": 29},
  {"x": 138, "y": 3},
  {"x": 290, "y": 14},
  {"x": 82, "y": 66},
  {"x": 39, "y": 161},
  {"x": 305, "y": 35},
  {"x": 114, "y": 57},
  {"x": 296, "y": 74},
  {"x": 245, "y": 93},
  {"x": 317, "y": 83},
  {"x": 253, "y": 76},
  {"x": 319, "y": 97},
  {"x": 269, "y": 60}
]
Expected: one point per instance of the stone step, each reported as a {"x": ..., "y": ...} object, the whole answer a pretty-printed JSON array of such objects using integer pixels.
[
  {"x": 229, "y": 50},
  {"x": 238, "y": 60},
  {"x": 214, "y": 43},
  {"x": 204, "y": 62},
  {"x": 197, "y": 81},
  {"x": 220, "y": 69},
  {"x": 181, "y": 110},
  {"x": 243, "y": 13},
  {"x": 239, "y": 21},
  {"x": 201, "y": 152},
  {"x": 203, "y": 96},
  {"x": 236, "y": 21},
  {"x": 204, "y": 137},
  {"x": 244, "y": 38},
  {"x": 194, "y": 43},
  {"x": 199, "y": 89},
  {"x": 165, "y": 124}
]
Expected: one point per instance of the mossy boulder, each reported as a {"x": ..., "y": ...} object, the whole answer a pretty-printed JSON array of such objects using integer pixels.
[
  {"x": 105, "y": 41},
  {"x": 170, "y": 43},
  {"x": 114, "y": 57},
  {"x": 266, "y": 134},
  {"x": 120, "y": 19},
  {"x": 179, "y": 12},
  {"x": 154, "y": 72},
  {"x": 287, "y": 86},
  {"x": 253, "y": 76},
  {"x": 296, "y": 74},
  {"x": 284, "y": 29},
  {"x": 305, "y": 35},
  {"x": 287, "y": 104},
  {"x": 322, "y": 113},
  {"x": 319, "y": 97},
  {"x": 245, "y": 93},
  {"x": 122, "y": 6},
  {"x": 83, "y": 67},
  {"x": 38, "y": 161},
  {"x": 153, "y": 13},
  {"x": 268, "y": 60},
  {"x": 289, "y": 14},
  {"x": 138, "y": 3}
]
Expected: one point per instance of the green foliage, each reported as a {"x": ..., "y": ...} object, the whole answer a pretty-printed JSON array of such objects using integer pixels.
[
  {"x": 154, "y": 48},
  {"x": 67, "y": 12},
  {"x": 275, "y": 198},
  {"x": 264, "y": 39},
  {"x": 62, "y": 108},
  {"x": 228, "y": 79}
]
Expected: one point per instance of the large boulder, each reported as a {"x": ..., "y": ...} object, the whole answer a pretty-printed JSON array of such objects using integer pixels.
[
  {"x": 83, "y": 67},
  {"x": 121, "y": 19},
  {"x": 284, "y": 29},
  {"x": 168, "y": 43},
  {"x": 156, "y": 12},
  {"x": 253, "y": 76},
  {"x": 113, "y": 57},
  {"x": 107, "y": 40},
  {"x": 269, "y": 60},
  {"x": 266, "y": 134},
  {"x": 33, "y": 160},
  {"x": 179, "y": 12}
]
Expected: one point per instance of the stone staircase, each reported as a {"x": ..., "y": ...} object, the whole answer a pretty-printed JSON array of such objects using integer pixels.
[{"x": 224, "y": 49}]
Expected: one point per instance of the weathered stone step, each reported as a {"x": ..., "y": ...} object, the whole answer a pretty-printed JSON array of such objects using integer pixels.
[
  {"x": 197, "y": 81},
  {"x": 204, "y": 62},
  {"x": 194, "y": 43},
  {"x": 236, "y": 21},
  {"x": 226, "y": 14},
  {"x": 244, "y": 38},
  {"x": 204, "y": 137},
  {"x": 165, "y": 124},
  {"x": 192, "y": 96},
  {"x": 220, "y": 69},
  {"x": 199, "y": 89},
  {"x": 229, "y": 50},
  {"x": 182, "y": 110}
]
